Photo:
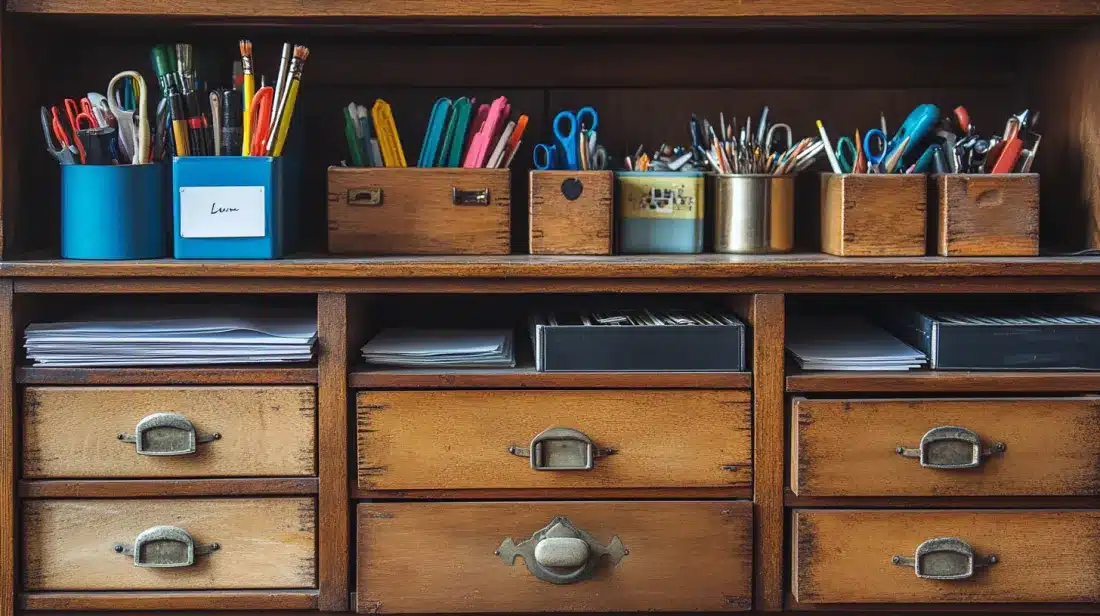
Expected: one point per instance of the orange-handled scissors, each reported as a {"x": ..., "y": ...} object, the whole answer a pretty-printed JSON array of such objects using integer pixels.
[
  {"x": 260, "y": 114},
  {"x": 63, "y": 136}
]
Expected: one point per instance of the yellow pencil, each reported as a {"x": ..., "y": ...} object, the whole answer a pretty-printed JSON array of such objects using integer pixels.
[
  {"x": 296, "y": 65},
  {"x": 249, "y": 92}
]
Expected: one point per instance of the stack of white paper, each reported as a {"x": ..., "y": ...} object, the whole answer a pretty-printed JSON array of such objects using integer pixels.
[
  {"x": 445, "y": 348},
  {"x": 172, "y": 341},
  {"x": 847, "y": 343}
]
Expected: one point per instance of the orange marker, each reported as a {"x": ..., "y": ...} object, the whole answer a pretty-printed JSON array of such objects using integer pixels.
[{"x": 513, "y": 141}]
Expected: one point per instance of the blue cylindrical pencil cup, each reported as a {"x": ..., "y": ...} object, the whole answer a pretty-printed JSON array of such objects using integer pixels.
[{"x": 113, "y": 211}]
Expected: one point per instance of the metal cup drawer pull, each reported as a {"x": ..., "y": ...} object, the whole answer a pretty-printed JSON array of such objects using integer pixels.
[
  {"x": 165, "y": 547},
  {"x": 945, "y": 558},
  {"x": 561, "y": 553},
  {"x": 560, "y": 449},
  {"x": 950, "y": 447},
  {"x": 166, "y": 434}
]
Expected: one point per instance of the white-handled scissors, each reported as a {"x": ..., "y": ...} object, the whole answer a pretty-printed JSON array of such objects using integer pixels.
[{"x": 133, "y": 138}]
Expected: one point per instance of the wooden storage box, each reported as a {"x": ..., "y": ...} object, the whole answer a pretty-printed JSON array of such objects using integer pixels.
[
  {"x": 871, "y": 215},
  {"x": 571, "y": 212},
  {"x": 413, "y": 211},
  {"x": 987, "y": 215}
]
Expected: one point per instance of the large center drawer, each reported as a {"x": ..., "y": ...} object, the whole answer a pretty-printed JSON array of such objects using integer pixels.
[
  {"x": 108, "y": 432},
  {"x": 554, "y": 557},
  {"x": 453, "y": 440},
  {"x": 169, "y": 544},
  {"x": 915, "y": 556},
  {"x": 959, "y": 447}
]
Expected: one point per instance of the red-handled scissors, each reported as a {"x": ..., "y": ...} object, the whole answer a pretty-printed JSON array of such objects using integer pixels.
[
  {"x": 260, "y": 112},
  {"x": 62, "y": 135}
]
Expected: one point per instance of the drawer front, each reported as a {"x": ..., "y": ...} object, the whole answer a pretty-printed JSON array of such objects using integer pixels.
[
  {"x": 478, "y": 439},
  {"x": 262, "y": 543},
  {"x": 74, "y": 432},
  {"x": 473, "y": 557},
  {"x": 1023, "y": 447},
  {"x": 868, "y": 556}
]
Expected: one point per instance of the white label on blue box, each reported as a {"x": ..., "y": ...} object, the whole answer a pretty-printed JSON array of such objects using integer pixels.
[{"x": 222, "y": 211}]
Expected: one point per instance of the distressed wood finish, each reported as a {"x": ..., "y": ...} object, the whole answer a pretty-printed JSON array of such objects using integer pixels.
[
  {"x": 983, "y": 215},
  {"x": 873, "y": 215},
  {"x": 683, "y": 556},
  {"x": 222, "y": 375},
  {"x": 155, "y": 488},
  {"x": 215, "y": 601},
  {"x": 458, "y": 440},
  {"x": 338, "y": 317},
  {"x": 538, "y": 8},
  {"x": 73, "y": 432},
  {"x": 9, "y": 426},
  {"x": 571, "y": 212},
  {"x": 417, "y": 214},
  {"x": 935, "y": 381},
  {"x": 526, "y": 377},
  {"x": 847, "y": 447},
  {"x": 265, "y": 543},
  {"x": 1044, "y": 556}
]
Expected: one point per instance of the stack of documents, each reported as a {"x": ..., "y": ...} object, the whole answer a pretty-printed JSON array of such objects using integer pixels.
[
  {"x": 172, "y": 341},
  {"x": 848, "y": 343},
  {"x": 444, "y": 348}
]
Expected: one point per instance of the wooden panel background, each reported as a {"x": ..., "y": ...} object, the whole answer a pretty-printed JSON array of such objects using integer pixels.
[{"x": 643, "y": 97}]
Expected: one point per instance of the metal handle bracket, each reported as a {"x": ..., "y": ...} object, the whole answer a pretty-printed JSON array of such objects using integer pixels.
[
  {"x": 945, "y": 558},
  {"x": 951, "y": 447},
  {"x": 561, "y": 553},
  {"x": 166, "y": 434},
  {"x": 561, "y": 449},
  {"x": 165, "y": 547}
]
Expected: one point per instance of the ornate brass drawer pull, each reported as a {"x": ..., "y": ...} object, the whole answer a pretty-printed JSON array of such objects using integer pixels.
[
  {"x": 166, "y": 434},
  {"x": 165, "y": 547},
  {"x": 561, "y": 449},
  {"x": 945, "y": 558},
  {"x": 950, "y": 447},
  {"x": 560, "y": 553}
]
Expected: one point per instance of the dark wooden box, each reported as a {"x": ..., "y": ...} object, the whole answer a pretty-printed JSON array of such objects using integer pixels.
[
  {"x": 874, "y": 215},
  {"x": 571, "y": 212},
  {"x": 414, "y": 211},
  {"x": 987, "y": 215}
]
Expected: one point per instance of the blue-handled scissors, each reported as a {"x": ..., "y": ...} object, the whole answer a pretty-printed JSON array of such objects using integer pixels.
[
  {"x": 874, "y": 148},
  {"x": 564, "y": 153}
]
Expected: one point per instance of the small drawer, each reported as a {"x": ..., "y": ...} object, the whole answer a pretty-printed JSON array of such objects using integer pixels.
[
  {"x": 874, "y": 215},
  {"x": 129, "y": 432},
  {"x": 169, "y": 544},
  {"x": 555, "y": 557},
  {"x": 948, "y": 447},
  {"x": 499, "y": 440},
  {"x": 571, "y": 212},
  {"x": 987, "y": 215},
  {"x": 916, "y": 556},
  {"x": 414, "y": 211}
]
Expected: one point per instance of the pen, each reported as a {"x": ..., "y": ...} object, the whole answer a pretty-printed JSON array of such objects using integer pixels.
[
  {"x": 216, "y": 119},
  {"x": 179, "y": 124},
  {"x": 829, "y": 153},
  {"x": 232, "y": 117}
]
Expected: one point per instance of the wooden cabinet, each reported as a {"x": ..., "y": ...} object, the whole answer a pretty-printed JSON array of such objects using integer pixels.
[
  {"x": 956, "y": 447},
  {"x": 986, "y": 556},
  {"x": 616, "y": 556},
  {"x": 134, "y": 432},
  {"x": 461, "y": 440},
  {"x": 201, "y": 544}
]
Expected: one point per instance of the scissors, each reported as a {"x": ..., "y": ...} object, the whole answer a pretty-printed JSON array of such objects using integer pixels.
[
  {"x": 770, "y": 136},
  {"x": 874, "y": 148},
  {"x": 260, "y": 110},
  {"x": 51, "y": 128},
  {"x": 565, "y": 153},
  {"x": 133, "y": 137}
]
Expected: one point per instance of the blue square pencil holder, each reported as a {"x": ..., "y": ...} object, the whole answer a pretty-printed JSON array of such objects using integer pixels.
[
  {"x": 113, "y": 211},
  {"x": 228, "y": 207}
]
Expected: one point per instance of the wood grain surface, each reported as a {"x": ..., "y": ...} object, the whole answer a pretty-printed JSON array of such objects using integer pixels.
[
  {"x": 439, "y": 557},
  {"x": 982, "y": 215},
  {"x": 264, "y": 431},
  {"x": 9, "y": 439},
  {"x": 516, "y": 8},
  {"x": 847, "y": 447},
  {"x": 166, "y": 488},
  {"x": 874, "y": 215},
  {"x": 453, "y": 440},
  {"x": 1043, "y": 556},
  {"x": 265, "y": 543},
  {"x": 417, "y": 214},
  {"x": 161, "y": 375},
  {"x": 941, "y": 381},
  {"x": 571, "y": 212},
  {"x": 526, "y": 377},
  {"x": 215, "y": 601}
]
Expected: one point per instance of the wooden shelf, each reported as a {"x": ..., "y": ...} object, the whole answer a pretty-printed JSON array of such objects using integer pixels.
[
  {"x": 528, "y": 378},
  {"x": 550, "y": 8},
  {"x": 305, "y": 599},
  {"x": 932, "y": 381},
  {"x": 166, "y": 375},
  {"x": 165, "y": 488}
]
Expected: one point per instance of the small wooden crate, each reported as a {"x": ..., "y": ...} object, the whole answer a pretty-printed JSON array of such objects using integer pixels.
[
  {"x": 571, "y": 212},
  {"x": 414, "y": 211},
  {"x": 871, "y": 215},
  {"x": 983, "y": 215}
]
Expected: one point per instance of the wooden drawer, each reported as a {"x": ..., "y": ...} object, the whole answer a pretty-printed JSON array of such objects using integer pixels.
[
  {"x": 263, "y": 543},
  {"x": 454, "y": 557},
  {"x": 1041, "y": 556},
  {"x": 411, "y": 440},
  {"x": 849, "y": 447},
  {"x": 73, "y": 432}
]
